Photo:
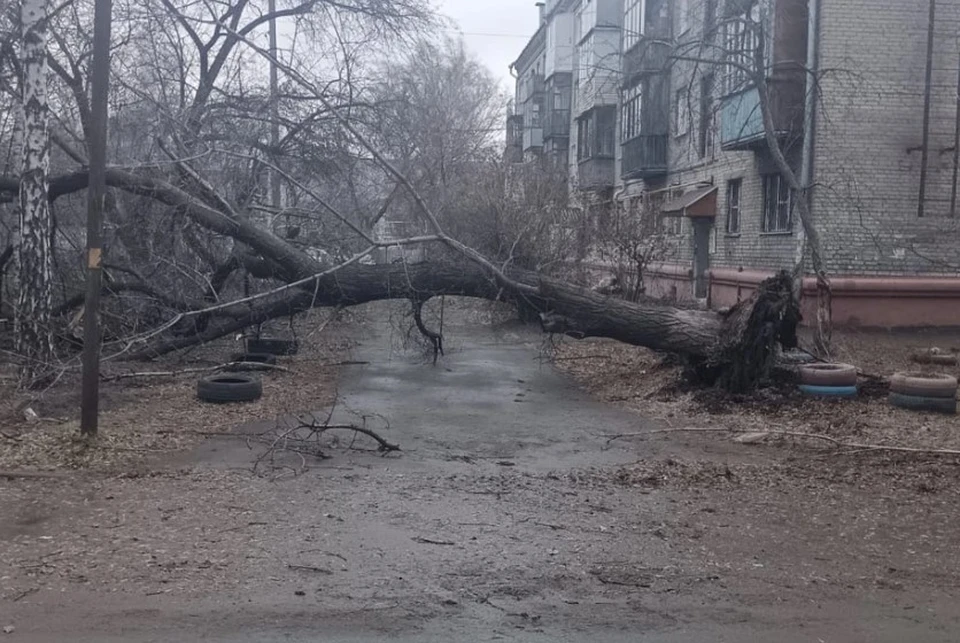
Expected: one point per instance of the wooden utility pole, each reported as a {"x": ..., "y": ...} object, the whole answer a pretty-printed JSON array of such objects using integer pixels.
[{"x": 97, "y": 145}]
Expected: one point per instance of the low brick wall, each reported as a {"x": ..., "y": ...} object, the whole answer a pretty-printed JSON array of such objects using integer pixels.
[
  {"x": 882, "y": 302},
  {"x": 865, "y": 302}
]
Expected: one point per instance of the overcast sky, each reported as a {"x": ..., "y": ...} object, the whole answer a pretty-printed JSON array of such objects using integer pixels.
[{"x": 495, "y": 30}]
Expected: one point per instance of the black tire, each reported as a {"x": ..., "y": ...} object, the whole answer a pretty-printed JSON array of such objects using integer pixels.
[
  {"x": 256, "y": 358},
  {"x": 924, "y": 384},
  {"x": 273, "y": 346},
  {"x": 918, "y": 403},
  {"x": 940, "y": 359},
  {"x": 828, "y": 375},
  {"x": 229, "y": 388}
]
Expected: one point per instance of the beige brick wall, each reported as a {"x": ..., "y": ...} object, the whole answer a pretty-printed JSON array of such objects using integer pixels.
[{"x": 869, "y": 133}]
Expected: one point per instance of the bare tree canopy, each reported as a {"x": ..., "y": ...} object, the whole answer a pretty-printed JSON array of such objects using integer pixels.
[{"x": 196, "y": 246}]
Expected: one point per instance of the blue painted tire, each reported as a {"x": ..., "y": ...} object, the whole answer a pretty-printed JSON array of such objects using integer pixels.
[
  {"x": 919, "y": 403},
  {"x": 828, "y": 391}
]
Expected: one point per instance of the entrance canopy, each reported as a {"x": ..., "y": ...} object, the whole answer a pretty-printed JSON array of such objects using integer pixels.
[{"x": 696, "y": 203}]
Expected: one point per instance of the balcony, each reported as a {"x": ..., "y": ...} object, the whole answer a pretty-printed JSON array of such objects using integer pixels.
[
  {"x": 648, "y": 56},
  {"x": 645, "y": 156},
  {"x": 741, "y": 122},
  {"x": 596, "y": 173}
]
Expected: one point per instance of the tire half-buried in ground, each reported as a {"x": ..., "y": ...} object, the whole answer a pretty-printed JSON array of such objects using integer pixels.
[
  {"x": 918, "y": 403},
  {"x": 828, "y": 374},
  {"x": 924, "y": 384},
  {"x": 229, "y": 388},
  {"x": 828, "y": 391}
]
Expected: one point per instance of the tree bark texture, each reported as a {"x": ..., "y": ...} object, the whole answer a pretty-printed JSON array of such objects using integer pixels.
[{"x": 33, "y": 331}]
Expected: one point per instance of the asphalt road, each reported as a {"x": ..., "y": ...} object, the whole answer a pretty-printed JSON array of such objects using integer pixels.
[{"x": 505, "y": 519}]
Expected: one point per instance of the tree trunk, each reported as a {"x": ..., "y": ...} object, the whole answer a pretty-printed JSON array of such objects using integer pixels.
[
  {"x": 33, "y": 331},
  {"x": 735, "y": 349}
]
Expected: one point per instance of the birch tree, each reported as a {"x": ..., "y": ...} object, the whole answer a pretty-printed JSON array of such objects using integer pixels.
[{"x": 33, "y": 331}]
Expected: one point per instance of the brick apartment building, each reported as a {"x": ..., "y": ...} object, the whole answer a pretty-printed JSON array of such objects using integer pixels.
[{"x": 654, "y": 107}]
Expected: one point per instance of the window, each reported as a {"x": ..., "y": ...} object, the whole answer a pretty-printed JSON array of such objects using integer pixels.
[
  {"x": 633, "y": 23},
  {"x": 733, "y": 206},
  {"x": 606, "y": 131},
  {"x": 777, "y": 204},
  {"x": 584, "y": 134},
  {"x": 683, "y": 16},
  {"x": 586, "y": 66},
  {"x": 586, "y": 19},
  {"x": 681, "y": 114},
  {"x": 741, "y": 38},
  {"x": 535, "y": 116},
  {"x": 631, "y": 113},
  {"x": 705, "y": 141},
  {"x": 597, "y": 133},
  {"x": 673, "y": 225}
]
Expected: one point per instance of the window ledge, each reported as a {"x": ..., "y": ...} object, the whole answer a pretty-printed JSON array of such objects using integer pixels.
[
  {"x": 587, "y": 159},
  {"x": 731, "y": 235},
  {"x": 780, "y": 233}
]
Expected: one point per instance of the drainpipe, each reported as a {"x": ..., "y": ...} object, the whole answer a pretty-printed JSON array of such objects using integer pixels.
[
  {"x": 928, "y": 84},
  {"x": 809, "y": 118}
]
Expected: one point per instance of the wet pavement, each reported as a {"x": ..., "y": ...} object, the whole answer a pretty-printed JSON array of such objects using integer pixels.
[{"x": 504, "y": 519}]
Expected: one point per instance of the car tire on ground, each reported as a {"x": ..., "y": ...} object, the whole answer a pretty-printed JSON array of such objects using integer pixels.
[
  {"x": 229, "y": 388},
  {"x": 935, "y": 356},
  {"x": 924, "y": 384},
  {"x": 919, "y": 403},
  {"x": 828, "y": 374},
  {"x": 828, "y": 391}
]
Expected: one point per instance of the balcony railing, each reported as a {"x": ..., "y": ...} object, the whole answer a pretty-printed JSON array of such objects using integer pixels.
[
  {"x": 648, "y": 56},
  {"x": 741, "y": 122},
  {"x": 596, "y": 173},
  {"x": 645, "y": 156}
]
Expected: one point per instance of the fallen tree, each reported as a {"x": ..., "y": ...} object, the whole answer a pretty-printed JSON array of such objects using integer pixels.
[{"x": 733, "y": 349}]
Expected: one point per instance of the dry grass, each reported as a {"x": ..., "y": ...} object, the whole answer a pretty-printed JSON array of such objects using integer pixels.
[
  {"x": 145, "y": 417},
  {"x": 639, "y": 379}
]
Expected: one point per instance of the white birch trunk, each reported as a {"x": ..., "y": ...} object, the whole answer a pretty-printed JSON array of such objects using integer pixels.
[{"x": 33, "y": 331}]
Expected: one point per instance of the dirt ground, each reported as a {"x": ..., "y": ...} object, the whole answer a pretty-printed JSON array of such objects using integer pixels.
[
  {"x": 641, "y": 380},
  {"x": 509, "y": 514}
]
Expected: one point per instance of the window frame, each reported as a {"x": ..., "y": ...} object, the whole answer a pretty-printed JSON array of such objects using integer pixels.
[
  {"x": 630, "y": 113},
  {"x": 681, "y": 113},
  {"x": 606, "y": 131},
  {"x": 778, "y": 212},
  {"x": 734, "y": 205},
  {"x": 705, "y": 133},
  {"x": 672, "y": 224},
  {"x": 596, "y": 136},
  {"x": 683, "y": 17},
  {"x": 634, "y": 23},
  {"x": 740, "y": 39}
]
